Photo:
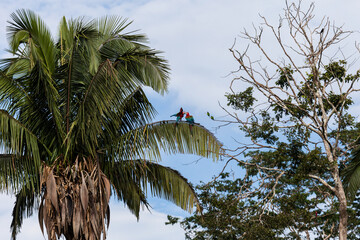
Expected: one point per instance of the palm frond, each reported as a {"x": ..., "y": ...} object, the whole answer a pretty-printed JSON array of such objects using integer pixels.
[
  {"x": 135, "y": 178},
  {"x": 351, "y": 175},
  {"x": 169, "y": 184},
  {"x": 31, "y": 41},
  {"x": 111, "y": 27},
  {"x": 167, "y": 136},
  {"x": 102, "y": 99},
  {"x": 17, "y": 139},
  {"x": 78, "y": 59},
  {"x": 78, "y": 46},
  {"x": 128, "y": 51},
  {"x": 40, "y": 113},
  {"x": 134, "y": 111},
  {"x": 28, "y": 28},
  {"x": 112, "y": 30},
  {"x": 125, "y": 185},
  {"x": 12, "y": 94},
  {"x": 18, "y": 66},
  {"x": 25, "y": 97},
  {"x": 25, "y": 203},
  {"x": 17, "y": 172},
  {"x": 145, "y": 65}
]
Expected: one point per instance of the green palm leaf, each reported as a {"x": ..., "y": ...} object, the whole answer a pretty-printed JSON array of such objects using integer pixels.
[
  {"x": 351, "y": 175},
  {"x": 25, "y": 203},
  {"x": 143, "y": 64},
  {"x": 128, "y": 52},
  {"x": 22, "y": 161},
  {"x": 17, "y": 172},
  {"x": 17, "y": 139},
  {"x": 125, "y": 185},
  {"x": 31, "y": 41},
  {"x": 151, "y": 140},
  {"x": 136, "y": 177},
  {"x": 28, "y": 28}
]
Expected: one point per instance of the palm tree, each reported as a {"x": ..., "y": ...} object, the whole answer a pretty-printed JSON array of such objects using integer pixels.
[{"x": 75, "y": 125}]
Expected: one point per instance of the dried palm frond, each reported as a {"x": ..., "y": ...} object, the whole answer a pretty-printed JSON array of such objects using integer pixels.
[{"x": 75, "y": 201}]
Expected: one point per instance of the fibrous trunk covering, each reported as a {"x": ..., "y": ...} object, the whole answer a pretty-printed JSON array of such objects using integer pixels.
[{"x": 75, "y": 201}]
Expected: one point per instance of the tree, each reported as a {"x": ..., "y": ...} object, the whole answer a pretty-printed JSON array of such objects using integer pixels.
[
  {"x": 226, "y": 215},
  {"x": 75, "y": 125},
  {"x": 299, "y": 129}
]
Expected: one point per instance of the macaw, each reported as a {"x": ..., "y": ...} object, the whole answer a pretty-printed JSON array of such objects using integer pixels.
[
  {"x": 189, "y": 119},
  {"x": 178, "y": 115}
]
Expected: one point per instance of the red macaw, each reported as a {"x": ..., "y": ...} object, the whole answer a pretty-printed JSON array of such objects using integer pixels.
[
  {"x": 190, "y": 120},
  {"x": 178, "y": 115}
]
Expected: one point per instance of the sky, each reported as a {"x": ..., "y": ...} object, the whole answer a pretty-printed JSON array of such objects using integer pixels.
[{"x": 195, "y": 37}]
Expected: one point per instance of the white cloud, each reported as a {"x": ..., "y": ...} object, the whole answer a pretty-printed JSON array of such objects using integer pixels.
[{"x": 151, "y": 226}]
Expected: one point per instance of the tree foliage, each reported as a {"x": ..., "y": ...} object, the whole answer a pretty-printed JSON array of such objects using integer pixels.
[{"x": 300, "y": 214}]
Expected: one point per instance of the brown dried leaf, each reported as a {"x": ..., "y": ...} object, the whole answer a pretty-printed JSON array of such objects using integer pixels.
[
  {"x": 41, "y": 217},
  {"x": 104, "y": 234},
  {"x": 107, "y": 187},
  {"x": 51, "y": 190},
  {"x": 94, "y": 223},
  {"x": 84, "y": 194},
  {"x": 69, "y": 210},
  {"x": 44, "y": 175},
  {"x": 76, "y": 220},
  {"x": 76, "y": 165},
  {"x": 85, "y": 163},
  {"x": 107, "y": 217},
  {"x": 86, "y": 229},
  {"x": 47, "y": 219},
  {"x": 67, "y": 170},
  {"x": 63, "y": 206},
  {"x": 91, "y": 187}
]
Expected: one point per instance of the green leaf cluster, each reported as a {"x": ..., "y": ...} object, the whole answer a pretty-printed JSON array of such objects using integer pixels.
[{"x": 242, "y": 100}]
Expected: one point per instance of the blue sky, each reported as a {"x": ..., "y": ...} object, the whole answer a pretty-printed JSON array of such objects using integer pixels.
[{"x": 195, "y": 36}]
